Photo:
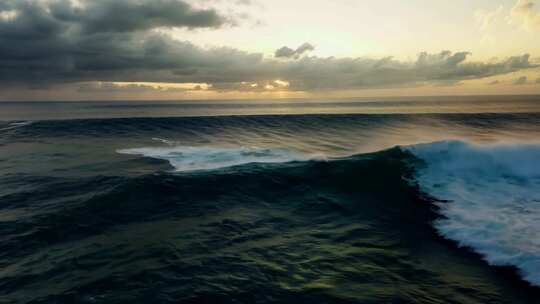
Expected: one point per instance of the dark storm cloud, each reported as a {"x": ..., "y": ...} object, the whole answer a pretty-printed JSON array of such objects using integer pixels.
[
  {"x": 134, "y": 15},
  {"x": 61, "y": 41},
  {"x": 287, "y": 52},
  {"x": 58, "y": 41}
]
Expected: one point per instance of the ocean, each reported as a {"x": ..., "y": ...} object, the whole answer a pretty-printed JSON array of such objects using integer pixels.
[{"x": 397, "y": 200}]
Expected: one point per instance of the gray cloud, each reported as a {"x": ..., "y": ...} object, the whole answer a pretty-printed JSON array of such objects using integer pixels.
[
  {"x": 56, "y": 42},
  {"x": 108, "y": 87},
  {"x": 521, "y": 80},
  {"x": 287, "y": 52},
  {"x": 347, "y": 73},
  {"x": 133, "y": 15}
]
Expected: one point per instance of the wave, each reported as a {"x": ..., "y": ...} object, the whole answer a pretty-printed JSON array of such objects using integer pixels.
[
  {"x": 15, "y": 125},
  {"x": 188, "y": 158},
  {"x": 488, "y": 195},
  {"x": 348, "y": 222},
  {"x": 491, "y": 199}
]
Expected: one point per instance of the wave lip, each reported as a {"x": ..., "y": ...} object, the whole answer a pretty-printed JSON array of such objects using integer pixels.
[
  {"x": 493, "y": 195},
  {"x": 188, "y": 158}
]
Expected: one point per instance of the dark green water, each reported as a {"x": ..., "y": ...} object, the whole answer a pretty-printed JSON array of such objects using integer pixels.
[{"x": 284, "y": 215}]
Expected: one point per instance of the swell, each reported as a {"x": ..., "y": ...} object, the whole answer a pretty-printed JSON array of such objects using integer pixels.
[
  {"x": 80, "y": 223},
  {"x": 91, "y": 205},
  {"x": 122, "y": 126},
  {"x": 274, "y": 231},
  {"x": 353, "y": 229}
]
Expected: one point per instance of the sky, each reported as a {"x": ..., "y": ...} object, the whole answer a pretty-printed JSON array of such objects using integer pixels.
[{"x": 231, "y": 49}]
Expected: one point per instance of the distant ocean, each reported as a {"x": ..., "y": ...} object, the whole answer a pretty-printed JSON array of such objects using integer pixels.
[{"x": 398, "y": 200}]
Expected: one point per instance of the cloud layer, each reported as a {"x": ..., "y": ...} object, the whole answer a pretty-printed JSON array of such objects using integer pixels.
[
  {"x": 56, "y": 42},
  {"x": 527, "y": 13},
  {"x": 287, "y": 52}
]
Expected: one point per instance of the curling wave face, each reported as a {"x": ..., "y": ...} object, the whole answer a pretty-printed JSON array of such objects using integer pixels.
[{"x": 493, "y": 199}]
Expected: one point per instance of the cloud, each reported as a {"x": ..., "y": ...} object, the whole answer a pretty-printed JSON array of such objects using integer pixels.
[
  {"x": 486, "y": 19},
  {"x": 349, "y": 73},
  {"x": 249, "y": 86},
  {"x": 133, "y": 15},
  {"x": 22, "y": 18},
  {"x": 243, "y": 2},
  {"x": 524, "y": 13},
  {"x": 521, "y": 80},
  {"x": 527, "y": 14},
  {"x": 286, "y": 52},
  {"x": 48, "y": 43},
  {"x": 111, "y": 87}
]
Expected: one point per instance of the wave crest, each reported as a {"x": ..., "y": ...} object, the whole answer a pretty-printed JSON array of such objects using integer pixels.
[
  {"x": 15, "y": 125},
  {"x": 493, "y": 195},
  {"x": 188, "y": 158}
]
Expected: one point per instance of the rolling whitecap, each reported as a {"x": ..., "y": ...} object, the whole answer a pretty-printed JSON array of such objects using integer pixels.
[{"x": 492, "y": 199}]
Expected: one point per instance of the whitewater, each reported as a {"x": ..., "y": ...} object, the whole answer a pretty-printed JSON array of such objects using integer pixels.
[
  {"x": 488, "y": 195},
  {"x": 490, "y": 199}
]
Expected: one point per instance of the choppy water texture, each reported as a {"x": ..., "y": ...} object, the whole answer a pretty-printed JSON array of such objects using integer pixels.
[{"x": 341, "y": 208}]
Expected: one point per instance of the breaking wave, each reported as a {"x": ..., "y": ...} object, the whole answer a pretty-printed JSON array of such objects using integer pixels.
[
  {"x": 491, "y": 199},
  {"x": 489, "y": 196},
  {"x": 187, "y": 158}
]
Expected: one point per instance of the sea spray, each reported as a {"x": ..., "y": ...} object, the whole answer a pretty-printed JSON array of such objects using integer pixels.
[{"x": 493, "y": 199}]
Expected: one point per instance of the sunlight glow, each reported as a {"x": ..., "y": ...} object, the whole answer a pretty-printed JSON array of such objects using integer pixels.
[
  {"x": 9, "y": 15},
  {"x": 165, "y": 85}
]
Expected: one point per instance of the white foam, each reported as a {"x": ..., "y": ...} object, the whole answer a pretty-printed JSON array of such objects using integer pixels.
[
  {"x": 165, "y": 141},
  {"x": 15, "y": 125},
  {"x": 494, "y": 199},
  {"x": 187, "y": 158}
]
